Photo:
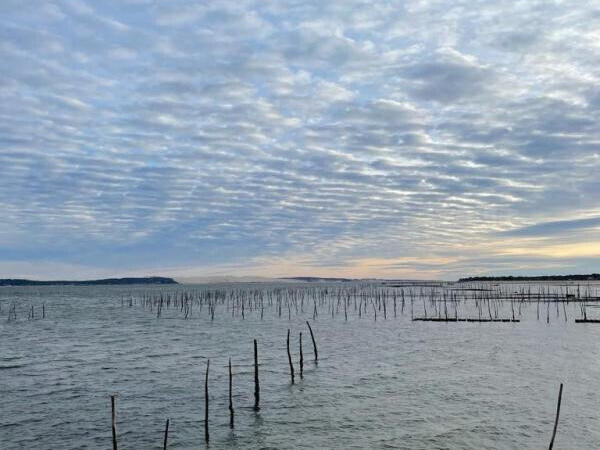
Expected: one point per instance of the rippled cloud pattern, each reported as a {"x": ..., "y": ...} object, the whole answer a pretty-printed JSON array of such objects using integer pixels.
[{"x": 427, "y": 139}]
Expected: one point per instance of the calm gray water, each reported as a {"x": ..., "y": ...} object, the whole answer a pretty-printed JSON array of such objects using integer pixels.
[{"x": 390, "y": 383}]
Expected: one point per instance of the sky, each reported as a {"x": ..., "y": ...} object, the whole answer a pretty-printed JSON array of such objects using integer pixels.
[{"x": 416, "y": 139}]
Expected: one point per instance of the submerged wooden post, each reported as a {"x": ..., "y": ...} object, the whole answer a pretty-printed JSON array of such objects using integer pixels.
[
  {"x": 557, "y": 415},
  {"x": 231, "y": 412},
  {"x": 312, "y": 336},
  {"x": 166, "y": 435},
  {"x": 290, "y": 356},
  {"x": 113, "y": 421},
  {"x": 301, "y": 358},
  {"x": 256, "y": 382},
  {"x": 206, "y": 436}
]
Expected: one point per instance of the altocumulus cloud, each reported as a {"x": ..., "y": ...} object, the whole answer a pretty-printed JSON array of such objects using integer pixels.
[{"x": 422, "y": 139}]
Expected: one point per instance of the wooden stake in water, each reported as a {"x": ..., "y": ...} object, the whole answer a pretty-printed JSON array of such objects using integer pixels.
[
  {"x": 206, "y": 435},
  {"x": 231, "y": 412},
  {"x": 113, "y": 421},
  {"x": 290, "y": 356},
  {"x": 312, "y": 336},
  {"x": 166, "y": 435},
  {"x": 557, "y": 415},
  {"x": 301, "y": 358},
  {"x": 256, "y": 382}
]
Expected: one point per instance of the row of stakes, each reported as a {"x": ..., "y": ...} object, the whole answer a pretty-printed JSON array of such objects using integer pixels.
[
  {"x": 257, "y": 393},
  {"x": 231, "y": 410},
  {"x": 12, "y": 313}
]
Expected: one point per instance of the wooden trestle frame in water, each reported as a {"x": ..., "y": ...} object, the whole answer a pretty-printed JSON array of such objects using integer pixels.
[{"x": 451, "y": 319}]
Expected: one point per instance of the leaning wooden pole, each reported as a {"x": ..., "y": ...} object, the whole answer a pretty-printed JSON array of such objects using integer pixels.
[
  {"x": 206, "y": 435},
  {"x": 290, "y": 356},
  {"x": 557, "y": 415},
  {"x": 301, "y": 358},
  {"x": 166, "y": 435},
  {"x": 312, "y": 336},
  {"x": 256, "y": 382},
  {"x": 231, "y": 412},
  {"x": 113, "y": 421}
]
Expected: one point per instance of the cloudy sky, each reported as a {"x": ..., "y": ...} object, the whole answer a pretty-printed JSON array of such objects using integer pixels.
[{"x": 421, "y": 139}]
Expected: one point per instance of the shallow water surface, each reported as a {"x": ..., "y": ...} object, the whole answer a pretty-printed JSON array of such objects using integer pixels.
[{"x": 389, "y": 383}]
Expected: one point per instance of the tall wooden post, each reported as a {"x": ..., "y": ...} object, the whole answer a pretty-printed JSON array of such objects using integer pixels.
[
  {"x": 166, "y": 435},
  {"x": 231, "y": 412},
  {"x": 301, "y": 358},
  {"x": 256, "y": 382},
  {"x": 206, "y": 435},
  {"x": 312, "y": 336},
  {"x": 113, "y": 421},
  {"x": 557, "y": 415},
  {"x": 290, "y": 356}
]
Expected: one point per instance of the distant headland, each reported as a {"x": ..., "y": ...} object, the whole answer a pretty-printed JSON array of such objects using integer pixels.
[
  {"x": 590, "y": 277},
  {"x": 106, "y": 281}
]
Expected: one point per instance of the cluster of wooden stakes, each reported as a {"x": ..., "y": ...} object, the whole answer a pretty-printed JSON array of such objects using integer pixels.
[
  {"x": 12, "y": 312},
  {"x": 257, "y": 393},
  {"x": 231, "y": 409}
]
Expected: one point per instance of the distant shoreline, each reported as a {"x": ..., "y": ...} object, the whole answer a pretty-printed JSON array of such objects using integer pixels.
[
  {"x": 318, "y": 279},
  {"x": 171, "y": 281},
  {"x": 590, "y": 277},
  {"x": 102, "y": 282}
]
